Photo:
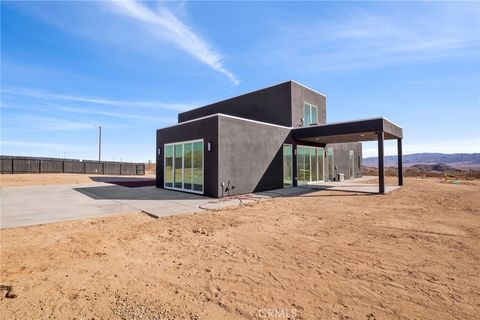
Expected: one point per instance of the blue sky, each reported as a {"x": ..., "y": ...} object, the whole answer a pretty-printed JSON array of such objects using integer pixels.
[{"x": 132, "y": 66}]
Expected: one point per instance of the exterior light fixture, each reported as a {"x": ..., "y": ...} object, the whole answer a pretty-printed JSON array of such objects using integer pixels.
[
  {"x": 159, "y": 151},
  {"x": 209, "y": 146}
]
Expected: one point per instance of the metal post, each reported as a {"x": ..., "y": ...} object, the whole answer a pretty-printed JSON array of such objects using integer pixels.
[
  {"x": 381, "y": 168},
  {"x": 99, "y": 143},
  {"x": 400, "y": 162}
]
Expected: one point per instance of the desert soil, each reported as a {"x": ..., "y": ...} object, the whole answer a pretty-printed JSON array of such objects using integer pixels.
[
  {"x": 28, "y": 179},
  {"x": 411, "y": 254}
]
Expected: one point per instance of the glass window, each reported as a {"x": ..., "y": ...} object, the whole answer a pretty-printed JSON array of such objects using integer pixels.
[
  {"x": 313, "y": 160},
  {"x": 197, "y": 166},
  {"x": 314, "y": 117},
  {"x": 300, "y": 165},
  {"x": 168, "y": 174},
  {"x": 331, "y": 166},
  {"x": 306, "y": 115},
  {"x": 184, "y": 166},
  {"x": 310, "y": 114},
  {"x": 320, "y": 164},
  {"x": 307, "y": 165},
  {"x": 187, "y": 166},
  {"x": 287, "y": 165},
  {"x": 178, "y": 165}
]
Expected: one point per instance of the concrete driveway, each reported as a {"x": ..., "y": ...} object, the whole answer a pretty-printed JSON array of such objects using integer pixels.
[{"x": 24, "y": 206}]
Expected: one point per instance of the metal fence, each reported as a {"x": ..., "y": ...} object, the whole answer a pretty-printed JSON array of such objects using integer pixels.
[{"x": 17, "y": 164}]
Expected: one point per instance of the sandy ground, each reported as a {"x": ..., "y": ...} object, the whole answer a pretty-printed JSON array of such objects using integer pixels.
[
  {"x": 411, "y": 254},
  {"x": 18, "y": 180}
]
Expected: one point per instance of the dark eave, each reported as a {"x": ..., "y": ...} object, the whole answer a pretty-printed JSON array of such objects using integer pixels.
[{"x": 351, "y": 131}]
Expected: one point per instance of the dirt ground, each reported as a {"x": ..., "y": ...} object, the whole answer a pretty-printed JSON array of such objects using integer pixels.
[
  {"x": 28, "y": 179},
  {"x": 411, "y": 254}
]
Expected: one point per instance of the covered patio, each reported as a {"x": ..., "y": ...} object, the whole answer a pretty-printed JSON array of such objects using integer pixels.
[{"x": 379, "y": 129}]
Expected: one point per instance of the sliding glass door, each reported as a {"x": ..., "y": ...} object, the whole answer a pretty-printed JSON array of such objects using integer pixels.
[
  {"x": 309, "y": 164},
  {"x": 184, "y": 166}
]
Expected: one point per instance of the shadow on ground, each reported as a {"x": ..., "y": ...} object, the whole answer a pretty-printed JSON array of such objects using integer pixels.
[
  {"x": 116, "y": 192},
  {"x": 129, "y": 182}
]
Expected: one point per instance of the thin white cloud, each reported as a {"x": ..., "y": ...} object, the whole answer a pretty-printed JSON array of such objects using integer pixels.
[
  {"x": 156, "y": 119},
  {"x": 76, "y": 110},
  {"x": 36, "y": 144},
  {"x": 359, "y": 39},
  {"x": 168, "y": 25},
  {"x": 39, "y": 94}
]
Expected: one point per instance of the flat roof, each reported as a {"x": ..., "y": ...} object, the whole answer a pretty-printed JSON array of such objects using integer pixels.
[
  {"x": 349, "y": 131},
  {"x": 226, "y": 116}
]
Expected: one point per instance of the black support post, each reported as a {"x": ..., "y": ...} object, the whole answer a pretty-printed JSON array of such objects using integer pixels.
[
  {"x": 381, "y": 167},
  {"x": 400, "y": 162}
]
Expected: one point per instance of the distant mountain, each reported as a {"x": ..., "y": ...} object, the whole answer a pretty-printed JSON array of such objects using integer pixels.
[
  {"x": 438, "y": 167},
  {"x": 456, "y": 160}
]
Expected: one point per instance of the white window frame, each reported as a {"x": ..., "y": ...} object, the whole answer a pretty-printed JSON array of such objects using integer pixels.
[
  {"x": 309, "y": 157},
  {"x": 311, "y": 106},
  {"x": 183, "y": 165}
]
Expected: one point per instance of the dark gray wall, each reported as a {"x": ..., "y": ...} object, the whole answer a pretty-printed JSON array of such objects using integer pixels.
[
  {"x": 272, "y": 105},
  {"x": 250, "y": 155},
  {"x": 341, "y": 158},
  {"x": 300, "y": 95},
  {"x": 206, "y": 129},
  {"x": 281, "y": 104}
]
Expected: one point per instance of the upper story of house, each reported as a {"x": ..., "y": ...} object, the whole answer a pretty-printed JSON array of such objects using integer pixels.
[{"x": 288, "y": 104}]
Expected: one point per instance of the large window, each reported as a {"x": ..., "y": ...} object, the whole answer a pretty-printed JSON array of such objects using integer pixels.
[
  {"x": 331, "y": 165},
  {"x": 168, "y": 166},
  {"x": 184, "y": 166},
  {"x": 309, "y": 164},
  {"x": 310, "y": 114},
  {"x": 178, "y": 163}
]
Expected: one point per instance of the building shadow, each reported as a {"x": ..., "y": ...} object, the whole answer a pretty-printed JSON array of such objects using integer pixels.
[
  {"x": 117, "y": 192},
  {"x": 129, "y": 182}
]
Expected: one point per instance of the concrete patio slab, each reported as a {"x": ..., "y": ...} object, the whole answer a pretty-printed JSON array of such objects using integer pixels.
[
  {"x": 24, "y": 206},
  {"x": 349, "y": 187}
]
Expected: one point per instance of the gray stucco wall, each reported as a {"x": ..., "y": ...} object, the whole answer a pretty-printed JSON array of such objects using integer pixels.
[
  {"x": 341, "y": 158},
  {"x": 300, "y": 95},
  {"x": 250, "y": 155},
  {"x": 270, "y": 105},
  {"x": 206, "y": 129}
]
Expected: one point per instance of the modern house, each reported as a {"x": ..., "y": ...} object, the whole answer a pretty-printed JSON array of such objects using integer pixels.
[{"x": 271, "y": 138}]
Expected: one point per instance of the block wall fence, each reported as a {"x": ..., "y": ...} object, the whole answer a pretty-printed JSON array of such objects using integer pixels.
[{"x": 18, "y": 164}]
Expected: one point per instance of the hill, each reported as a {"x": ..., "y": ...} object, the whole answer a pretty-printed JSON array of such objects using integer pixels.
[{"x": 455, "y": 160}]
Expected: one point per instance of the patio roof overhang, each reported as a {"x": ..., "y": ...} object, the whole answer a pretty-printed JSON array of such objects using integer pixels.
[
  {"x": 379, "y": 129},
  {"x": 350, "y": 131}
]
